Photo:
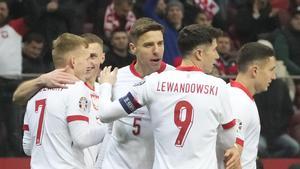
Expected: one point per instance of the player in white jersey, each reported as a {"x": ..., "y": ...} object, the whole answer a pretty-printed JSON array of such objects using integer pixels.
[
  {"x": 57, "y": 121},
  {"x": 256, "y": 64},
  {"x": 186, "y": 105},
  {"x": 135, "y": 130},
  {"x": 96, "y": 49}
]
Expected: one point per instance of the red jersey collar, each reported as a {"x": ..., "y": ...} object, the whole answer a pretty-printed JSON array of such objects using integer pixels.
[
  {"x": 189, "y": 68},
  {"x": 163, "y": 66},
  {"x": 89, "y": 86},
  {"x": 242, "y": 87}
]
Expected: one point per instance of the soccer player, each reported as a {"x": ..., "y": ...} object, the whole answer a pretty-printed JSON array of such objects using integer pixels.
[
  {"x": 256, "y": 65},
  {"x": 186, "y": 105},
  {"x": 56, "y": 122},
  {"x": 128, "y": 133},
  {"x": 96, "y": 51}
]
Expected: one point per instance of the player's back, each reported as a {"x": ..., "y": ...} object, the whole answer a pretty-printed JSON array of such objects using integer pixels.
[
  {"x": 132, "y": 144},
  {"x": 46, "y": 117},
  {"x": 186, "y": 107}
]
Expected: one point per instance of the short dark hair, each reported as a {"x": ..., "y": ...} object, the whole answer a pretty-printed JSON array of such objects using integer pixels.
[
  {"x": 92, "y": 38},
  {"x": 33, "y": 36},
  {"x": 194, "y": 35},
  {"x": 251, "y": 52},
  {"x": 143, "y": 25}
]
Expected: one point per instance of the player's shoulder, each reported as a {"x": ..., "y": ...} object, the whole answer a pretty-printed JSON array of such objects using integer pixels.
[
  {"x": 169, "y": 67},
  {"x": 216, "y": 80},
  {"x": 124, "y": 70}
]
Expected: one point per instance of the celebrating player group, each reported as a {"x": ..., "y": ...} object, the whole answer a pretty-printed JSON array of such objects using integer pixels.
[{"x": 147, "y": 115}]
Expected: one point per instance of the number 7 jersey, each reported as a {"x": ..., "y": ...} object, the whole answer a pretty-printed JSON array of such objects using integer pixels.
[{"x": 54, "y": 121}]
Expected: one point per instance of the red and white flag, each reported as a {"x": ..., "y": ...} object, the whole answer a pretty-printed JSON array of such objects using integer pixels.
[{"x": 210, "y": 7}]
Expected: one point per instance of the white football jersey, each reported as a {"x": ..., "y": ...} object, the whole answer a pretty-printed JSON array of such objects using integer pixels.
[
  {"x": 186, "y": 107},
  {"x": 91, "y": 153},
  {"x": 46, "y": 126},
  {"x": 131, "y": 145},
  {"x": 248, "y": 124}
]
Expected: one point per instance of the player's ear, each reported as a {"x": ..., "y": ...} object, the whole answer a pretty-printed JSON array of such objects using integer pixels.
[
  {"x": 198, "y": 54},
  {"x": 254, "y": 70},
  {"x": 71, "y": 61},
  {"x": 102, "y": 57},
  {"x": 132, "y": 48}
]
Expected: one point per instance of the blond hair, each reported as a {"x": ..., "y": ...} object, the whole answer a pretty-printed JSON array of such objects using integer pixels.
[{"x": 64, "y": 44}]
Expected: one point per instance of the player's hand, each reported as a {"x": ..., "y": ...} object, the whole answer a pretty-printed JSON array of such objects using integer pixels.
[
  {"x": 108, "y": 76},
  {"x": 232, "y": 158},
  {"x": 57, "y": 78}
]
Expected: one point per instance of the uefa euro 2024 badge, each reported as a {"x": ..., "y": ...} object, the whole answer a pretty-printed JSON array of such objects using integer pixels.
[{"x": 84, "y": 105}]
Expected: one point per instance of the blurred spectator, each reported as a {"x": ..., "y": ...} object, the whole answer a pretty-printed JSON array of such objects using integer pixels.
[
  {"x": 118, "y": 55},
  {"x": 32, "y": 54},
  {"x": 255, "y": 18},
  {"x": 10, "y": 69},
  {"x": 118, "y": 15},
  {"x": 226, "y": 64},
  {"x": 286, "y": 44},
  {"x": 172, "y": 23},
  {"x": 54, "y": 18},
  {"x": 203, "y": 19},
  {"x": 275, "y": 109}
]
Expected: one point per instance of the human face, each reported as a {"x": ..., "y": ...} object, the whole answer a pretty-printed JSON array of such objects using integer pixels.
[
  {"x": 123, "y": 9},
  {"x": 119, "y": 41},
  {"x": 3, "y": 12},
  {"x": 33, "y": 49},
  {"x": 149, "y": 49},
  {"x": 96, "y": 57},
  {"x": 209, "y": 55},
  {"x": 295, "y": 22},
  {"x": 85, "y": 63},
  {"x": 174, "y": 15},
  {"x": 223, "y": 45},
  {"x": 265, "y": 73},
  {"x": 202, "y": 19}
]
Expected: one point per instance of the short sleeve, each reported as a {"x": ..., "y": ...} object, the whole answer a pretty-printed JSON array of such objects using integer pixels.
[{"x": 227, "y": 119}]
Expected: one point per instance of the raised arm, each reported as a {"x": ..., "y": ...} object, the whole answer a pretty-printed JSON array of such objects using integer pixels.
[{"x": 56, "y": 78}]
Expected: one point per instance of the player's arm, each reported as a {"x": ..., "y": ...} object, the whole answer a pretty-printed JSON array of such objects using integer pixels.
[
  {"x": 227, "y": 120},
  {"x": 27, "y": 140},
  {"x": 78, "y": 104},
  {"x": 83, "y": 133},
  {"x": 56, "y": 78}
]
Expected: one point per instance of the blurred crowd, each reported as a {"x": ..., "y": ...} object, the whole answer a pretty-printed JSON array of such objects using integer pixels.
[{"x": 28, "y": 27}]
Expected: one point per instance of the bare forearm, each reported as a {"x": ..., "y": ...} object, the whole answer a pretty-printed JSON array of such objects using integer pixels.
[{"x": 26, "y": 90}]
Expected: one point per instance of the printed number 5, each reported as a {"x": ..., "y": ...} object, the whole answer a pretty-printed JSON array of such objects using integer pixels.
[
  {"x": 183, "y": 118},
  {"x": 136, "y": 125},
  {"x": 40, "y": 105}
]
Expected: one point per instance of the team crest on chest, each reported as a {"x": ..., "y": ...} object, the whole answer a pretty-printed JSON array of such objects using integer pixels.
[{"x": 84, "y": 104}]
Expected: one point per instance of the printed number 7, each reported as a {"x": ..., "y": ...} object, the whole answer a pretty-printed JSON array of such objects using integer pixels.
[
  {"x": 40, "y": 105},
  {"x": 183, "y": 118}
]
